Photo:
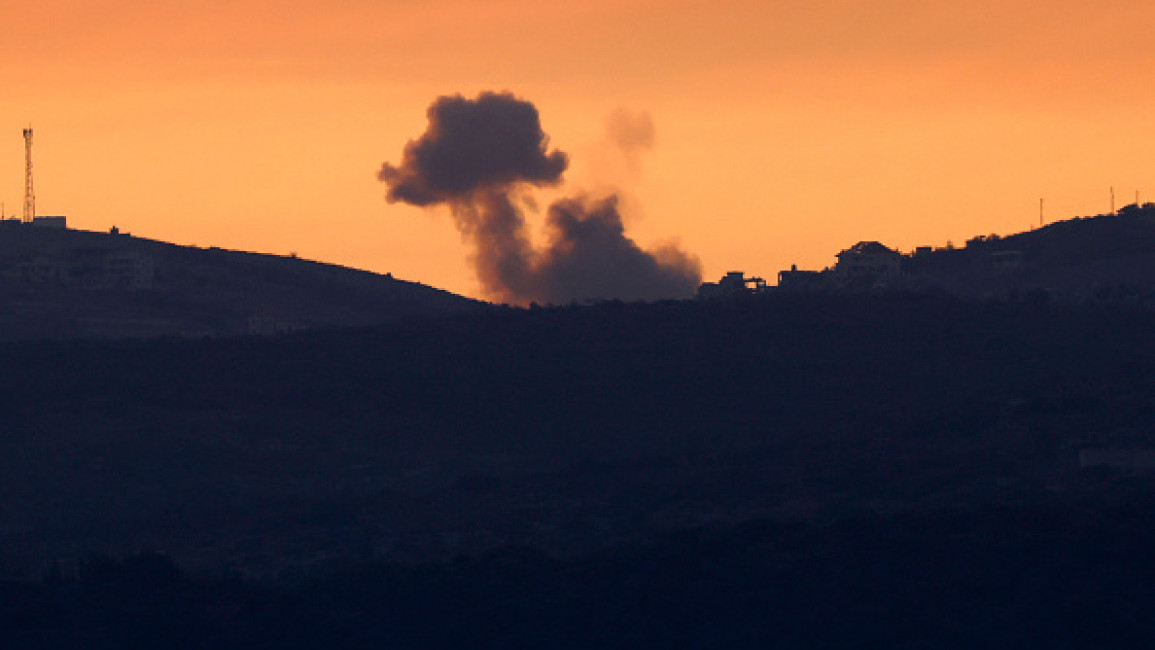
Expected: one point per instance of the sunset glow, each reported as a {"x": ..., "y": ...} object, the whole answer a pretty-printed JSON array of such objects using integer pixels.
[{"x": 785, "y": 131}]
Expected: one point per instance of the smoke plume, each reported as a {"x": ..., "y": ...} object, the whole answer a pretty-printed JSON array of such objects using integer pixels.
[
  {"x": 480, "y": 157},
  {"x": 630, "y": 134}
]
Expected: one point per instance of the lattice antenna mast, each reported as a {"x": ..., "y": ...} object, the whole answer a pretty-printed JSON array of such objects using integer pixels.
[{"x": 29, "y": 194}]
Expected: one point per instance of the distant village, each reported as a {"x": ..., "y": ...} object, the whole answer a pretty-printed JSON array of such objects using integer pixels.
[
  {"x": 865, "y": 266},
  {"x": 1104, "y": 257},
  {"x": 94, "y": 267},
  {"x": 58, "y": 282}
]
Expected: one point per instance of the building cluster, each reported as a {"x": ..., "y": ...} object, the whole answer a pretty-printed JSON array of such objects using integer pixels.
[
  {"x": 866, "y": 265},
  {"x": 93, "y": 267},
  {"x": 734, "y": 283},
  {"x": 88, "y": 268},
  {"x": 871, "y": 266},
  {"x": 1107, "y": 257},
  {"x": 59, "y": 223}
]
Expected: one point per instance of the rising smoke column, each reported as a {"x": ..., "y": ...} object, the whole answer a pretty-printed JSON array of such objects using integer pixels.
[
  {"x": 589, "y": 256},
  {"x": 478, "y": 156}
]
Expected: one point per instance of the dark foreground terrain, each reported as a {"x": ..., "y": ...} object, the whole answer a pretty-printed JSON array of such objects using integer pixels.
[
  {"x": 785, "y": 471},
  {"x": 1020, "y": 577}
]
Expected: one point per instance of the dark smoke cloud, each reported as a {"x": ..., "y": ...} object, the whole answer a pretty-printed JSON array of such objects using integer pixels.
[
  {"x": 589, "y": 256},
  {"x": 478, "y": 157},
  {"x": 489, "y": 142}
]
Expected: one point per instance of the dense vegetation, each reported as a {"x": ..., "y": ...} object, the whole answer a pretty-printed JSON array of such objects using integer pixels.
[
  {"x": 999, "y": 577},
  {"x": 784, "y": 471}
]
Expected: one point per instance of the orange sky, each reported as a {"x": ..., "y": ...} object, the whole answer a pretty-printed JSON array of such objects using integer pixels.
[{"x": 786, "y": 130}]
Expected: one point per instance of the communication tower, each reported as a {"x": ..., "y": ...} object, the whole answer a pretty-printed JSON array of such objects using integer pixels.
[{"x": 29, "y": 195}]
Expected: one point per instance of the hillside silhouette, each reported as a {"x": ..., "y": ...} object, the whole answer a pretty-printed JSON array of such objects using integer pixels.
[
  {"x": 562, "y": 428},
  {"x": 1107, "y": 257},
  {"x": 891, "y": 468},
  {"x": 58, "y": 283}
]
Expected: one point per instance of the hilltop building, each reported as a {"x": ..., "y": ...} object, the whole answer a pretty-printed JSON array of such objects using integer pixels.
[
  {"x": 733, "y": 284},
  {"x": 864, "y": 266},
  {"x": 50, "y": 222},
  {"x": 868, "y": 264},
  {"x": 59, "y": 223},
  {"x": 802, "y": 280}
]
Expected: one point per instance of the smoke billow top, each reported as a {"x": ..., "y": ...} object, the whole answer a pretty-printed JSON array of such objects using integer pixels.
[{"x": 480, "y": 157}]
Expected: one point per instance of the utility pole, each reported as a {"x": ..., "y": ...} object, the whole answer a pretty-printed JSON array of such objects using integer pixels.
[
  {"x": 1040, "y": 213},
  {"x": 1112, "y": 200},
  {"x": 29, "y": 195}
]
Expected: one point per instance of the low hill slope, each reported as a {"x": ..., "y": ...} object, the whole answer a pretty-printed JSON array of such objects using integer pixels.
[
  {"x": 1109, "y": 257},
  {"x": 564, "y": 429},
  {"x": 57, "y": 283}
]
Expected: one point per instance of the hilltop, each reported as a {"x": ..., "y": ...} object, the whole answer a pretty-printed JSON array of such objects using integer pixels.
[
  {"x": 62, "y": 283},
  {"x": 1104, "y": 257},
  {"x": 1108, "y": 257}
]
